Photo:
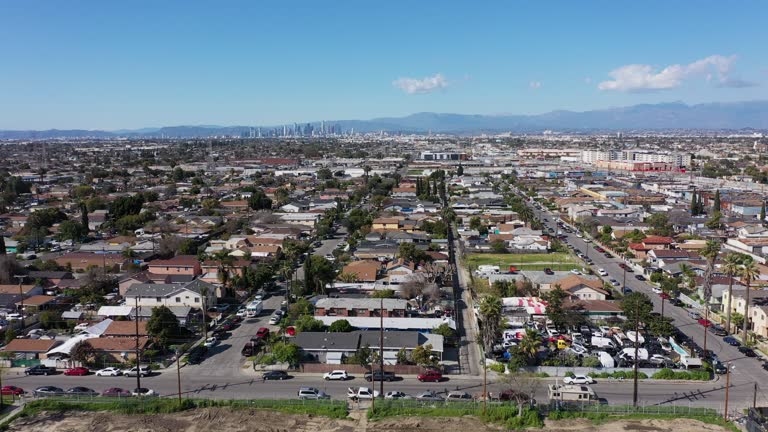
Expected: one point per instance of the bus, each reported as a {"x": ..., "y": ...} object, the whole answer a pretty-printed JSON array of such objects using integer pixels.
[{"x": 254, "y": 308}]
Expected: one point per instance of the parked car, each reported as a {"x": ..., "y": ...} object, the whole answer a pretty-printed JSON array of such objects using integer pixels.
[
  {"x": 77, "y": 371},
  {"x": 548, "y": 271},
  {"x": 361, "y": 393},
  {"x": 142, "y": 391},
  {"x": 379, "y": 376},
  {"x": 749, "y": 352},
  {"x": 311, "y": 393},
  {"x": 116, "y": 392},
  {"x": 694, "y": 315},
  {"x": 81, "y": 391},
  {"x": 132, "y": 372},
  {"x": 39, "y": 370},
  {"x": 210, "y": 342},
  {"x": 241, "y": 312},
  {"x": 640, "y": 277},
  {"x": 602, "y": 272},
  {"x": 718, "y": 330},
  {"x": 197, "y": 354},
  {"x": 428, "y": 395},
  {"x": 719, "y": 368},
  {"x": 262, "y": 332},
  {"x": 730, "y": 340},
  {"x": 11, "y": 390},
  {"x": 394, "y": 395},
  {"x": 336, "y": 375},
  {"x": 458, "y": 396},
  {"x": 704, "y": 322},
  {"x": 274, "y": 319},
  {"x": 48, "y": 391},
  {"x": 430, "y": 375},
  {"x": 578, "y": 379},
  {"x": 275, "y": 375},
  {"x": 110, "y": 371}
]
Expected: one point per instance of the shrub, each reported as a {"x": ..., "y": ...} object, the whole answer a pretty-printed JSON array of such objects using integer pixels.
[{"x": 498, "y": 367}]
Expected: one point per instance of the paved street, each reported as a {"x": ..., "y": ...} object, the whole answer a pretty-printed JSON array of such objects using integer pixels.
[
  {"x": 327, "y": 248},
  {"x": 746, "y": 371}
]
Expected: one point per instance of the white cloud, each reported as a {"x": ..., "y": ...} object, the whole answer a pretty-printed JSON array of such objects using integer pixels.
[
  {"x": 534, "y": 84},
  {"x": 641, "y": 77},
  {"x": 421, "y": 86}
]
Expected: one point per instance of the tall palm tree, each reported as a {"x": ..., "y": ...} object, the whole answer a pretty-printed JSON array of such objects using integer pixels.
[
  {"x": 530, "y": 343},
  {"x": 490, "y": 313},
  {"x": 710, "y": 252},
  {"x": 731, "y": 268},
  {"x": 749, "y": 272}
]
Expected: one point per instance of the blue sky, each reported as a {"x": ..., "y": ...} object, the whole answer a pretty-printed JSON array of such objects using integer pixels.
[{"x": 130, "y": 64}]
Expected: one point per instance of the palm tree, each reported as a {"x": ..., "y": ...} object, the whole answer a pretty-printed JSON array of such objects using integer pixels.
[
  {"x": 690, "y": 275},
  {"x": 490, "y": 313},
  {"x": 749, "y": 272},
  {"x": 710, "y": 252},
  {"x": 530, "y": 343},
  {"x": 731, "y": 268}
]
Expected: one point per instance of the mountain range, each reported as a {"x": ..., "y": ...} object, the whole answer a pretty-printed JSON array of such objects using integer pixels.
[{"x": 751, "y": 115}]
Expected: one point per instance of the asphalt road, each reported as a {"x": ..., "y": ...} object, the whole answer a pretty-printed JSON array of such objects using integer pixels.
[
  {"x": 327, "y": 248},
  {"x": 745, "y": 370}
]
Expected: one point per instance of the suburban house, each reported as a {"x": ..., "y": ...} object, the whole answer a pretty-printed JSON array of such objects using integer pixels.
[
  {"x": 30, "y": 348},
  {"x": 361, "y": 307},
  {"x": 125, "y": 329},
  {"x": 333, "y": 348},
  {"x": 365, "y": 271},
  {"x": 385, "y": 224},
  {"x": 82, "y": 261},
  {"x": 178, "y": 265},
  {"x": 153, "y": 295},
  {"x": 583, "y": 288}
]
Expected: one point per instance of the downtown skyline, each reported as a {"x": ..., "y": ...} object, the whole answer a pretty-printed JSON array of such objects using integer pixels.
[{"x": 111, "y": 67}]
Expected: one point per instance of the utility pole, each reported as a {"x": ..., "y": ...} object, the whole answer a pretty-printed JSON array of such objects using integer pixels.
[
  {"x": 178, "y": 372},
  {"x": 485, "y": 383},
  {"x": 138, "y": 356},
  {"x": 381, "y": 348},
  {"x": 21, "y": 300},
  {"x": 754, "y": 396},
  {"x": 727, "y": 387},
  {"x": 637, "y": 345}
]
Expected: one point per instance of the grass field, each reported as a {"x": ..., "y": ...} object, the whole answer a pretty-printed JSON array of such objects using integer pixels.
[{"x": 555, "y": 261}]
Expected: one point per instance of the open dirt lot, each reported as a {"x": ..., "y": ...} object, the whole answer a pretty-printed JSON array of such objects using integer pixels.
[{"x": 206, "y": 420}]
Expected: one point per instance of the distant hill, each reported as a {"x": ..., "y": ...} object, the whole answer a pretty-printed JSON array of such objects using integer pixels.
[{"x": 663, "y": 116}]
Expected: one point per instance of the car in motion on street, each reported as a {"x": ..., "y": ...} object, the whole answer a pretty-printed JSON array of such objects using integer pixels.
[
  {"x": 311, "y": 393},
  {"x": 48, "y": 391},
  {"x": 749, "y": 352},
  {"x": 578, "y": 379},
  {"x": 336, "y": 375},
  {"x": 77, "y": 371},
  {"x": 144, "y": 371},
  {"x": 430, "y": 376},
  {"x": 81, "y": 391},
  {"x": 730, "y": 340},
  {"x": 275, "y": 375},
  {"x": 11, "y": 391},
  {"x": 110, "y": 371},
  {"x": 116, "y": 392}
]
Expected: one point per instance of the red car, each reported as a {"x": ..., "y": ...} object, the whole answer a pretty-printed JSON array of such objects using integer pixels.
[
  {"x": 12, "y": 390},
  {"x": 116, "y": 392},
  {"x": 77, "y": 371},
  {"x": 263, "y": 332},
  {"x": 705, "y": 322},
  {"x": 430, "y": 375},
  {"x": 665, "y": 296}
]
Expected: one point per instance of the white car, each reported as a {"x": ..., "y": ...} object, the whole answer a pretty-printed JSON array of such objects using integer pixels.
[
  {"x": 579, "y": 235},
  {"x": 211, "y": 341},
  {"x": 397, "y": 395},
  {"x": 330, "y": 257},
  {"x": 602, "y": 272},
  {"x": 241, "y": 312},
  {"x": 579, "y": 379},
  {"x": 110, "y": 371},
  {"x": 656, "y": 290},
  {"x": 144, "y": 392},
  {"x": 576, "y": 272},
  {"x": 274, "y": 320},
  {"x": 337, "y": 375}
]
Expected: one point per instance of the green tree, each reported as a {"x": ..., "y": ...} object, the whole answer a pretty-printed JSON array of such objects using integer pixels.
[
  {"x": 321, "y": 273},
  {"x": 362, "y": 356},
  {"x": 731, "y": 268},
  {"x": 384, "y": 293},
  {"x": 259, "y": 200},
  {"x": 530, "y": 344},
  {"x": 445, "y": 331},
  {"x": 82, "y": 352},
  {"x": 716, "y": 202},
  {"x": 163, "y": 326},
  {"x": 490, "y": 314},
  {"x": 709, "y": 252},
  {"x": 286, "y": 353},
  {"x": 50, "y": 319},
  {"x": 409, "y": 252},
  {"x": 70, "y": 230},
  {"x": 340, "y": 326},
  {"x": 460, "y": 170},
  {"x": 422, "y": 355},
  {"x": 84, "y": 218},
  {"x": 556, "y": 310},
  {"x": 762, "y": 213},
  {"x": 748, "y": 273},
  {"x": 308, "y": 323},
  {"x": 498, "y": 246},
  {"x": 714, "y": 221},
  {"x": 659, "y": 223},
  {"x": 636, "y": 307},
  {"x": 10, "y": 334}
]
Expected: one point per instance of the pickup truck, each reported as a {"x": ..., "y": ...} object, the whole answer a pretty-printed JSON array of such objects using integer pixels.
[
  {"x": 361, "y": 393},
  {"x": 39, "y": 370},
  {"x": 379, "y": 376}
]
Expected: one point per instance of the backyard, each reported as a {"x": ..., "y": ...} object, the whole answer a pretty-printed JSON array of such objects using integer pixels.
[{"x": 555, "y": 261}]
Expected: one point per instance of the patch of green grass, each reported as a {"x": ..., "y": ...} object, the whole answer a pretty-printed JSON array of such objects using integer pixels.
[
  {"x": 327, "y": 408},
  {"x": 518, "y": 260},
  {"x": 505, "y": 414}
]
